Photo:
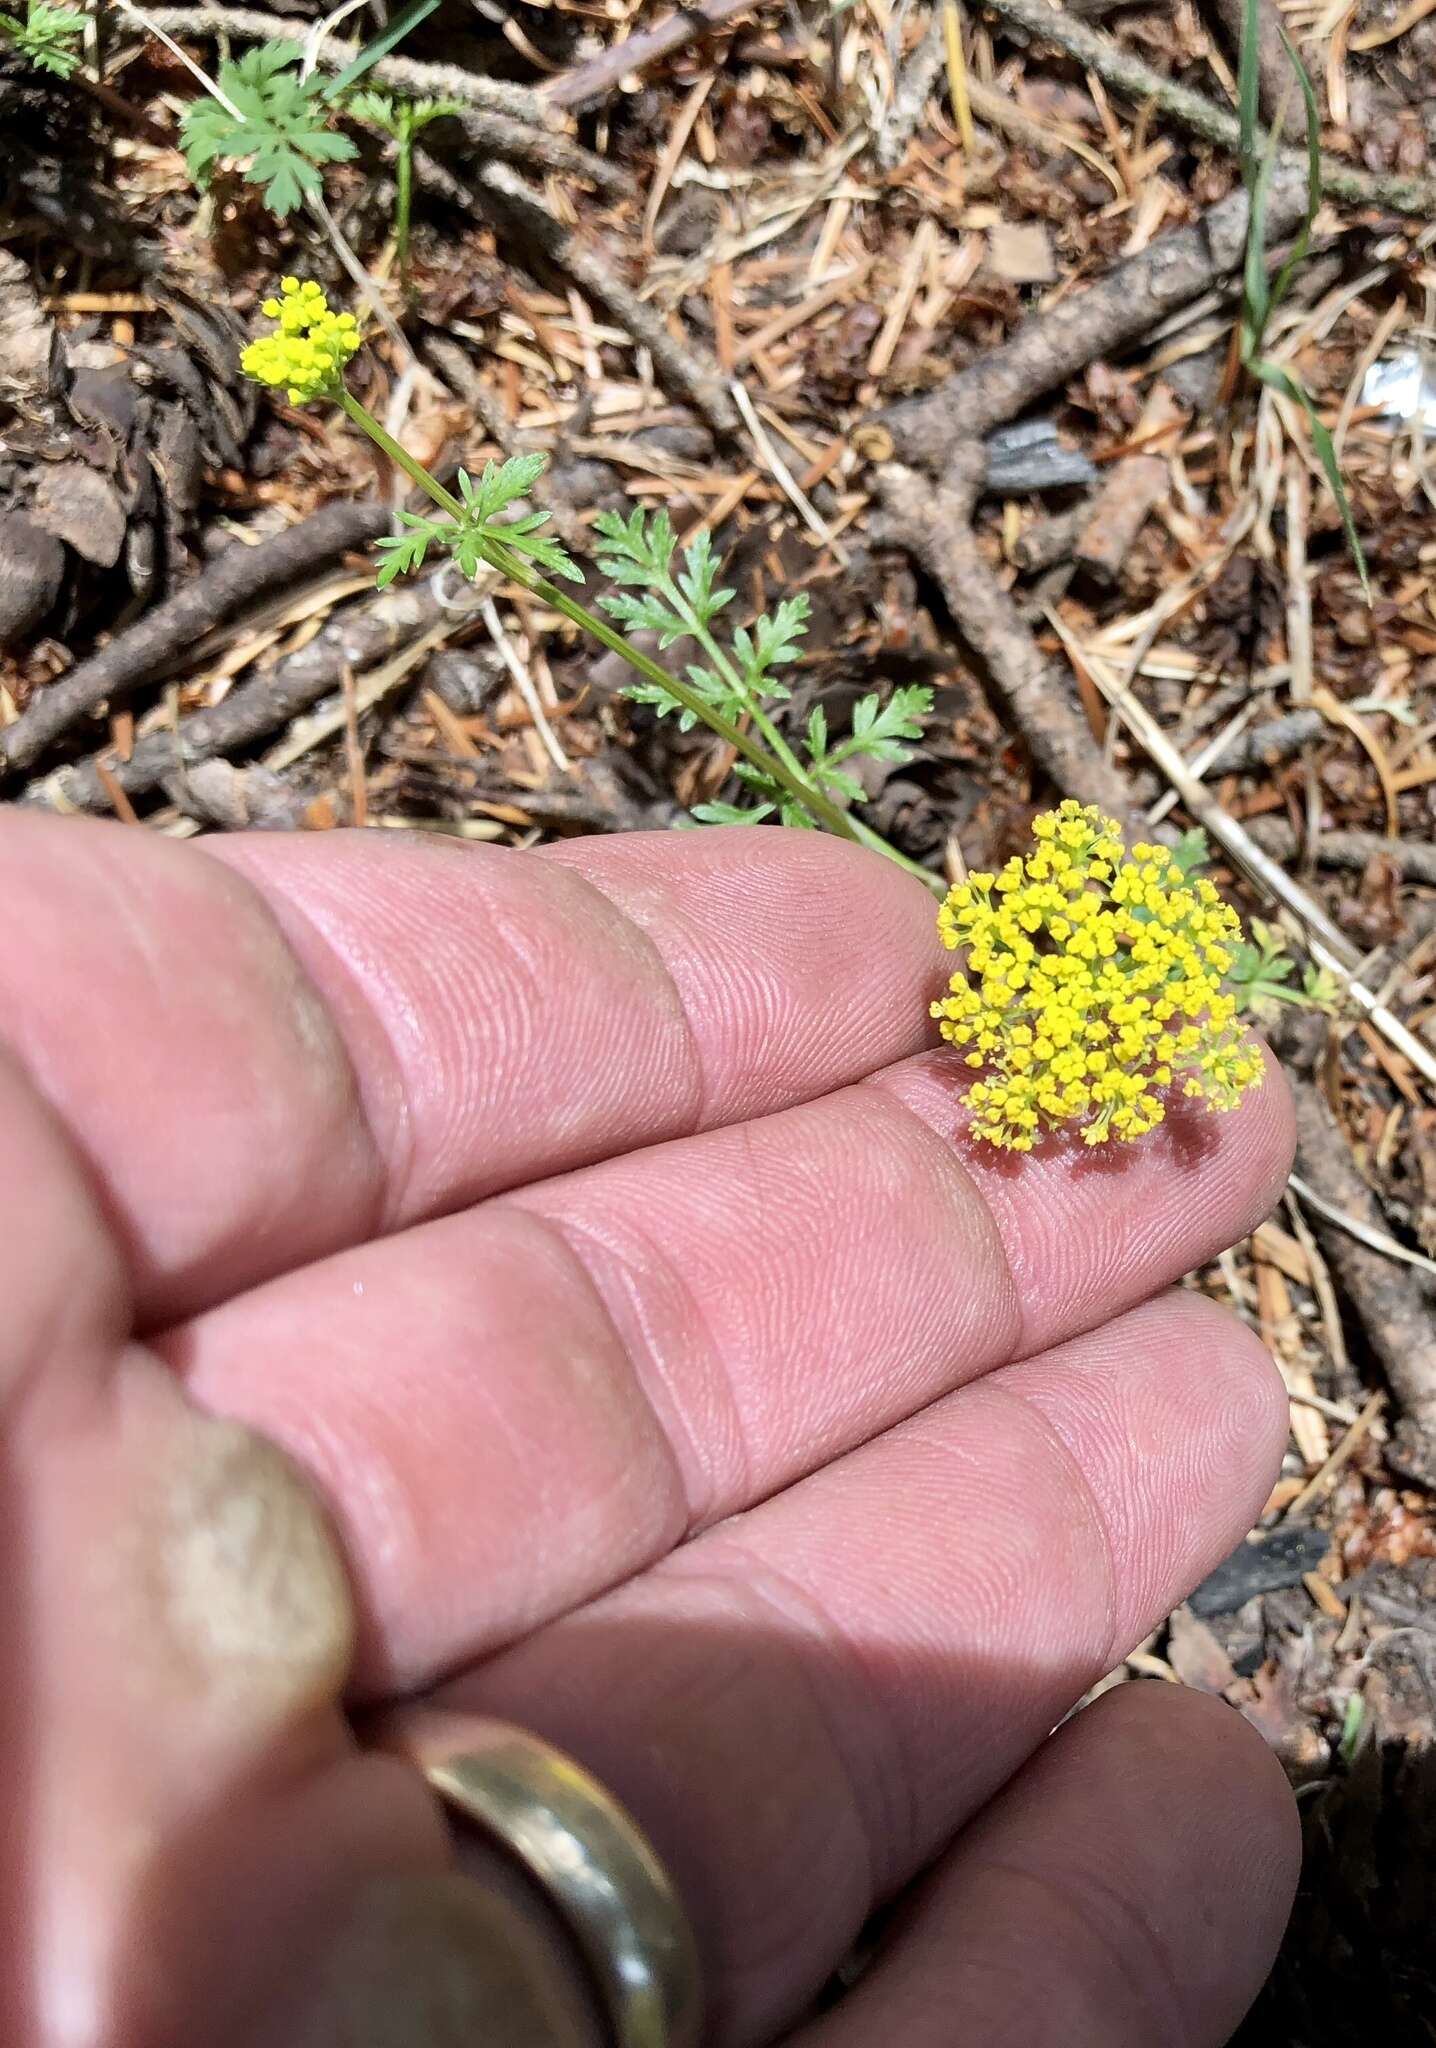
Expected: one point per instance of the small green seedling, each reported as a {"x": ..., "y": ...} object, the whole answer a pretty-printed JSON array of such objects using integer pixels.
[
  {"x": 46, "y": 36},
  {"x": 402, "y": 121},
  {"x": 263, "y": 111},
  {"x": 679, "y": 598},
  {"x": 675, "y": 595}
]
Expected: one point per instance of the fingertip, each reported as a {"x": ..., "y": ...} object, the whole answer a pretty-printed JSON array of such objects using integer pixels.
[{"x": 1250, "y": 1823}]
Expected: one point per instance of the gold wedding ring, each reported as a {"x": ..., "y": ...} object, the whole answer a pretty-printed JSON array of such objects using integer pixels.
[{"x": 591, "y": 1860}]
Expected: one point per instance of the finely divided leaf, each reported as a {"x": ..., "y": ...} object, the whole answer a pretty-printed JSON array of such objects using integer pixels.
[
  {"x": 500, "y": 484},
  {"x": 405, "y": 552},
  {"x": 1192, "y": 851},
  {"x": 646, "y": 614},
  {"x": 730, "y": 814},
  {"x": 280, "y": 123},
  {"x": 879, "y": 729}
]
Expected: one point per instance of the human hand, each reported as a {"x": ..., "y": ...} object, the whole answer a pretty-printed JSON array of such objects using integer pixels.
[{"x": 595, "y": 1231}]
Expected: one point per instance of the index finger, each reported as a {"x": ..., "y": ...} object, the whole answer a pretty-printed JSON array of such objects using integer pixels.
[{"x": 269, "y": 1047}]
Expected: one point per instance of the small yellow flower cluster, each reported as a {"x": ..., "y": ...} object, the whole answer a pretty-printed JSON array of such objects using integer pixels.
[
  {"x": 1092, "y": 982},
  {"x": 307, "y": 353}
]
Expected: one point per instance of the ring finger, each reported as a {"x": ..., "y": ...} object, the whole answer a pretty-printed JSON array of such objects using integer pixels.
[{"x": 804, "y": 1705}]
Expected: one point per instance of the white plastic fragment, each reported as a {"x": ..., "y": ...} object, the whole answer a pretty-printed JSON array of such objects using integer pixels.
[{"x": 1402, "y": 388}]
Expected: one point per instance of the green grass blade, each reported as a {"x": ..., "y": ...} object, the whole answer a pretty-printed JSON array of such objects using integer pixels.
[
  {"x": 1256, "y": 292},
  {"x": 1281, "y": 380},
  {"x": 1313, "y": 171},
  {"x": 1248, "y": 91},
  {"x": 407, "y": 18}
]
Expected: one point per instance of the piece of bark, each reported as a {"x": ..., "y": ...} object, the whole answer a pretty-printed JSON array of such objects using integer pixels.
[
  {"x": 83, "y": 509},
  {"x": 25, "y": 327},
  {"x": 1029, "y": 456},
  {"x": 1396, "y": 1307},
  {"x": 1263, "y": 1565},
  {"x": 1020, "y": 252},
  {"x": 934, "y": 524},
  {"x": 358, "y": 638},
  {"x": 1052, "y": 345},
  {"x": 163, "y": 636},
  {"x": 1119, "y": 514},
  {"x": 1197, "y": 1657},
  {"x": 32, "y": 568}
]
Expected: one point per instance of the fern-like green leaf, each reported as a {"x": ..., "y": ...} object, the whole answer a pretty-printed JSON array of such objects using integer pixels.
[
  {"x": 46, "y": 37},
  {"x": 276, "y": 122}
]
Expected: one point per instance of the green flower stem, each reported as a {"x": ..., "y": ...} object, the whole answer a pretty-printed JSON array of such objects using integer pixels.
[
  {"x": 518, "y": 571},
  {"x": 403, "y": 194},
  {"x": 398, "y": 454}
]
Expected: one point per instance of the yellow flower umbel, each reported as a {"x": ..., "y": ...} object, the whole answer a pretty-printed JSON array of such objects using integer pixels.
[
  {"x": 1093, "y": 981},
  {"x": 309, "y": 350}
]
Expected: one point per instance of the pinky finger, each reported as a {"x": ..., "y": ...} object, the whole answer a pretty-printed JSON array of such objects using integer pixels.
[{"x": 1131, "y": 1885}]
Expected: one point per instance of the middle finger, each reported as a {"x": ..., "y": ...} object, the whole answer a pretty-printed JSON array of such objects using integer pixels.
[{"x": 512, "y": 1408}]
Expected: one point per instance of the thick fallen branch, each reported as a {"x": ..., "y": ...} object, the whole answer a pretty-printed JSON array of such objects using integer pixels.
[
  {"x": 934, "y": 525},
  {"x": 1054, "y": 344},
  {"x": 165, "y": 635},
  {"x": 1138, "y": 82},
  {"x": 357, "y": 639}
]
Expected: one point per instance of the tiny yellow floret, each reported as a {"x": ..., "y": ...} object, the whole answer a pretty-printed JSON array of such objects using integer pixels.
[
  {"x": 1092, "y": 980},
  {"x": 309, "y": 350}
]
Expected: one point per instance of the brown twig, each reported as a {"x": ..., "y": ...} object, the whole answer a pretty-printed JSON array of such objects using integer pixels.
[
  {"x": 910, "y": 97},
  {"x": 1413, "y": 859},
  {"x": 357, "y": 639},
  {"x": 1267, "y": 746},
  {"x": 517, "y": 142},
  {"x": 597, "y": 77},
  {"x": 1051, "y": 539},
  {"x": 1139, "y": 82},
  {"x": 1395, "y": 1304},
  {"x": 405, "y": 74},
  {"x": 934, "y": 525},
  {"x": 156, "y": 641},
  {"x": 1065, "y": 338}
]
